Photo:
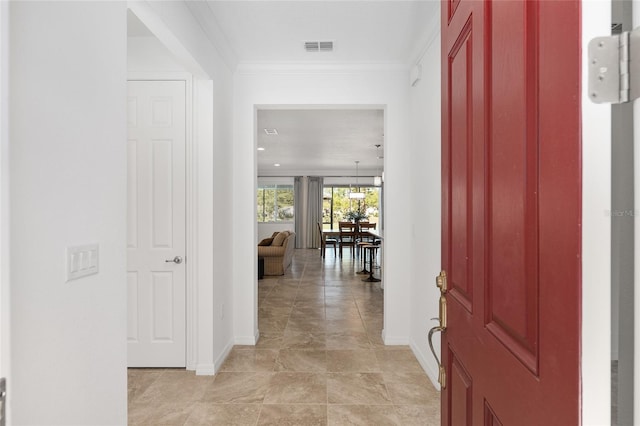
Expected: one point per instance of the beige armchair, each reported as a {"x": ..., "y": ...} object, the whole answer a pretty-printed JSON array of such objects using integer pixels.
[{"x": 277, "y": 255}]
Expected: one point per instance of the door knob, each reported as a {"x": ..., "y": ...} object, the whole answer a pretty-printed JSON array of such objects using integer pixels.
[{"x": 176, "y": 259}]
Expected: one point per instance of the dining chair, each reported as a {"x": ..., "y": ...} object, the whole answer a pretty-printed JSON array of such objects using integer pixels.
[
  {"x": 363, "y": 231},
  {"x": 326, "y": 241},
  {"x": 347, "y": 236},
  {"x": 364, "y": 237}
]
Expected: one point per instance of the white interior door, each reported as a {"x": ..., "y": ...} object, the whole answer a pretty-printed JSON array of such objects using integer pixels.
[{"x": 156, "y": 224}]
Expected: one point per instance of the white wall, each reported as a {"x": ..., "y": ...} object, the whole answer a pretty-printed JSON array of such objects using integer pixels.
[
  {"x": 266, "y": 230},
  {"x": 379, "y": 86},
  {"x": 426, "y": 208},
  {"x": 180, "y": 34},
  {"x": 68, "y": 170},
  {"x": 149, "y": 54},
  {"x": 596, "y": 236}
]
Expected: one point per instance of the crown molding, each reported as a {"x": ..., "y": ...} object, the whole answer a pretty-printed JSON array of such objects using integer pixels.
[
  {"x": 430, "y": 34},
  {"x": 246, "y": 68},
  {"x": 205, "y": 17}
]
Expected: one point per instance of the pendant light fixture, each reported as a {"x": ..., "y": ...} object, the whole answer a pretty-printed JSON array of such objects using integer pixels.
[
  {"x": 356, "y": 195},
  {"x": 377, "y": 179}
]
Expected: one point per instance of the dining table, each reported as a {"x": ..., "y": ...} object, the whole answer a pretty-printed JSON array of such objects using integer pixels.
[{"x": 335, "y": 233}]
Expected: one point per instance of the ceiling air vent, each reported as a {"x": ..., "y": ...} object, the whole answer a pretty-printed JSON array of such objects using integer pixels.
[
  {"x": 318, "y": 46},
  {"x": 326, "y": 46},
  {"x": 271, "y": 132},
  {"x": 311, "y": 46}
]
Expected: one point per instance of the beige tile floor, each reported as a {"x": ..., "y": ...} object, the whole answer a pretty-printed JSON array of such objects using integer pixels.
[{"x": 320, "y": 360}]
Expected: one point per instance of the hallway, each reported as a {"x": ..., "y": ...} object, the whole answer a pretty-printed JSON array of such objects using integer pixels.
[{"x": 320, "y": 360}]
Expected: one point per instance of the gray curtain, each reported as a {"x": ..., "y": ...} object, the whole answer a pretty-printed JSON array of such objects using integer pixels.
[
  {"x": 314, "y": 210},
  {"x": 297, "y": 209}
]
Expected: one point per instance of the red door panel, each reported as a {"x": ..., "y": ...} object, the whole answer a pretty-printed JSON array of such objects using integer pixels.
[
  {"x": 460, "y": 62},
  {"x": 512, "y": 186},
  {"x": 511, "y": 211},
  {"x": 490, "y": 418},
  {"x": 461, "y": 393},
  {"x": 452, "y": 4}
]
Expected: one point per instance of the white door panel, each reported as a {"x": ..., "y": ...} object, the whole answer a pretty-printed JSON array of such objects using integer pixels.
[{"x": 156, "y": 224}]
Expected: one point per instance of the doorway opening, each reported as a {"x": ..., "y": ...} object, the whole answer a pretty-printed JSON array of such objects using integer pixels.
[
  {"x": 168, "y": 318},
  {"x": 298, "y": 144}
]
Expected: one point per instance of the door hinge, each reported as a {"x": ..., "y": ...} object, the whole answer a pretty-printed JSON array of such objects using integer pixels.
[{"x": 614, "y": 68}]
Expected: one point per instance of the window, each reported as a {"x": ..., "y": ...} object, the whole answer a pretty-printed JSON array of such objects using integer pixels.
[
  {"x": 275, "y": 203},
  {"x": 336, "y": 204}
]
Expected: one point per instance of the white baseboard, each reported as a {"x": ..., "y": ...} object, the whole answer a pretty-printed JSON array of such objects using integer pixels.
[
  {"x": 247, "y": 340},
  {"x": 394, "y": 340},
  {"x": 244, "y": 340},
  {"x": 205, "y": 370},
  {"x": 427, "y": 362},
  {"x": 223, "y": 356}
]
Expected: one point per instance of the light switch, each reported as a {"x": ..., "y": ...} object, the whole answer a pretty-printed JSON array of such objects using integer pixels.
[{"x": 82, "y": 261}]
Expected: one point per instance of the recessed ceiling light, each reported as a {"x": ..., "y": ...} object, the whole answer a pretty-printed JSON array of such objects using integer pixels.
[
  {"x": 276, "y": 165},
  {"x": 260, "y": 148},
  {"x": 271, "y": 132}
]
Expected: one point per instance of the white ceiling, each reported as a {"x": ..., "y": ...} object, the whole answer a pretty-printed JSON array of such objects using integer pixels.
[
  {"x": 315, "y": 141},
  {"x": 135, "y": 27},
  {"x": 362, "y": 31},
  {"x": 320, "y": 141}
]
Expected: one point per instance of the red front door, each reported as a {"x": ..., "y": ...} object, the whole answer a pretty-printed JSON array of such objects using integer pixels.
[{"x": 511, "y": 212}]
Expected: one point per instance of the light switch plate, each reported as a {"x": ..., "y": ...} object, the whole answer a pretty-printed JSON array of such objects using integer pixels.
[{"x": 82, "y": 261}]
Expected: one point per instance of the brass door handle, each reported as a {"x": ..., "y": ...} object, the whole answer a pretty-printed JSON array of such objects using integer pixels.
[
  {"x": 442, "y": 377},
  {"x": 441, "y": 283}
]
